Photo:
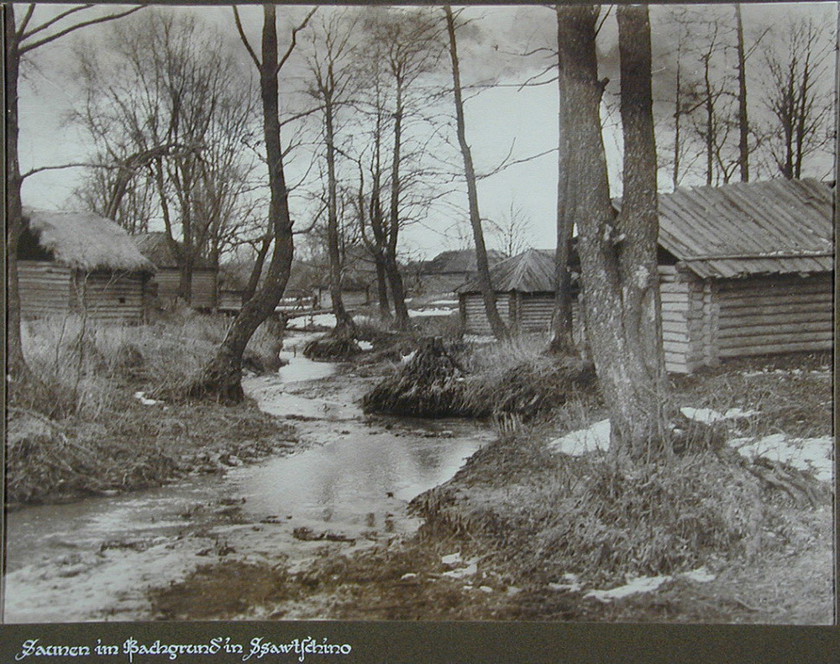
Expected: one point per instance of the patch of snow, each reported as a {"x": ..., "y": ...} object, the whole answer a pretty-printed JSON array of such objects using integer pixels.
[
  {"x": 461, "y": 572},
  {"x": 807, "y": 454},
  {"x": 408, "y": 576},
  {"x": 365, "y": 345},
  {"x": 570, "y": 582},
  {"x": 708, "y": 416},
  {"x": 451, "y": 559},
  {"x": 429, "y": 312},
  {"x": 577, "y": 443},
  {"x": 141, "y": 397},
  {"x": 312, "y": 320},
  {"x": 642, "y": 584},
  {"x": 699, "y": 575},
  {"x": 438, "y": 303},
  {"x": 405, "y": 359},
  {"x": 485, "y": 589}
]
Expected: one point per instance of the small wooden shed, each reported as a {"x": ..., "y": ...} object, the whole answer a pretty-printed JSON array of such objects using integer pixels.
[
  {"x": 746, "y": 269},
  {"x": 524, "y": 287},
  {"x": 204, "y": 284},
  {"x": 72, "y": 262}
]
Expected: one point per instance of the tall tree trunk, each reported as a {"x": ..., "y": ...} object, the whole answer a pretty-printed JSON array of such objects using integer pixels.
[
  {"x": 743, "y": 118},
  {"x": 619, "y": 275},
  {"x": 562, "y": 340},
  {"x": 223, "y": 375},
  {"x": 401, "y": 320},
  {"x": 343, "y": 321},
  {"x": 15, "y": 362},
  {"x": 500, "y": 331}
]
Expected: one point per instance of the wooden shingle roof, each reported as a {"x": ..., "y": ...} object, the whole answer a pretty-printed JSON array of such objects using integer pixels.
[
  {"x": 771, "y": 227},
  {"x": 532, "y": 271}
]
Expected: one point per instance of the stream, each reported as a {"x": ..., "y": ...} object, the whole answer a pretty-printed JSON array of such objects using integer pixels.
[{"x": 346, "y": 486}]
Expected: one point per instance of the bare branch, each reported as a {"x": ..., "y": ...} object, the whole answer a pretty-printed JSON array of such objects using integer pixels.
[
  {"x": 244, "y": 38},
  {"x": 25, "y": 21},
  {"x": 77, "y": 26},
  {"x": 51, "y": 22},
  {"x": 294, "y": 40}
]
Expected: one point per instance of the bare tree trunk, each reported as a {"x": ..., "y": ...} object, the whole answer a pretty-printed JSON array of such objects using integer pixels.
[
  {"x": 500, "y": 331},
  {"x": 562, "y": 341},
  {"x": 392, "y": 270},
  {"x": 343, "y": 321},
  {"x": 743, "y": 118},
  {"x": 619, "y": 275},
  {"x": 15, "y": 363},
  {"x": 222, "y": 376}
]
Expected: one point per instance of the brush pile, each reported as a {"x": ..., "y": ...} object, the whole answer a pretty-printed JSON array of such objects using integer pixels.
[
  {"x": 531, "y": 388},
  {"x": 429, "y": 384},
  {"x": 336, "y": 346}
]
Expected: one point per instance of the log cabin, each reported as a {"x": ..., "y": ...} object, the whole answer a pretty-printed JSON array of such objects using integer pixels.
[
  {"x": 79, "y": 262},
  {"x": 525, "y": 293},
  {"x": 746, "y": 269},
  {"x": 204, "y": 284}
]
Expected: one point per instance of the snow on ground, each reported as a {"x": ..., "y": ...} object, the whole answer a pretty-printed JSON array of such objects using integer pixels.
[
  {"x": 807, "y": 454},
  {"x": 365, "y": 345},
  {"x": 577, "y": 443},
  {"x": 311, "y": 320},
  {"x": 435, "y": 311},
  {"x": 708, "y": 416},
  {"x": 642, "y": 584},
  {"x": 440, "y": 303}
]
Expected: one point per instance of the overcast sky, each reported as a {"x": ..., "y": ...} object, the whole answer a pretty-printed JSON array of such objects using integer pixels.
[{"x": 524, "y": 119}]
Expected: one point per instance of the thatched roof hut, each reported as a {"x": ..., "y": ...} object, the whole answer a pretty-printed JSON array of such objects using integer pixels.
[
  {"x": 80, "y": 241},
  {"x": 450, "y": 269},
  {"x": 71, "y": 261}
]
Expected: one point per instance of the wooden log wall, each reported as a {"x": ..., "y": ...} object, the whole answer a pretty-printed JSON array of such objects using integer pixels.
[
  {"x": 109, "y": 297},
  {"x": 775, "y": 315},
  {"x": 475, "y": 318},
  {"x": 44, "y": 289},
  {"x": 682, "y": 319},
  {"x": 203, "y": 287},
  {"x": 534, "y": 312}
]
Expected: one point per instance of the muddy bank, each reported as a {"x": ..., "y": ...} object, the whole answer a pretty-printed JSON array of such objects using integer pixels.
[{"x": 139, "y": 447}]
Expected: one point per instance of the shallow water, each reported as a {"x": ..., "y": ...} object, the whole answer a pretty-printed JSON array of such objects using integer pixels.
[{"x": 351, "y": 480}]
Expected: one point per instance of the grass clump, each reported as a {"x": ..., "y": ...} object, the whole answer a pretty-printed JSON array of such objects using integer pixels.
[
  {"x": 430, "y": 384},
  {"x": 76, "y": 424}
]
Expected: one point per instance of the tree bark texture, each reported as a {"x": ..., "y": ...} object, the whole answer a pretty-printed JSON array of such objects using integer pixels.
[
  {"x": 500, "y": 330},
  {"x": 15, "y": 362},
  {"x": 743, "y": 117},
  {"x": 618, "y": 257},
  {"x": 562, "y": 341},
  {"x": 223, "y": 375}
]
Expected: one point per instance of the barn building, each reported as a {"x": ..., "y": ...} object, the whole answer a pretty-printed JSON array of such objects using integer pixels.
[
  {"x": 524, "y": 287},
  {"x": 746, "y": 269},
  {"x": 79, "y": 262},
  {"x": 449, "y": 270},
  {"x": 204, "y": 284}
]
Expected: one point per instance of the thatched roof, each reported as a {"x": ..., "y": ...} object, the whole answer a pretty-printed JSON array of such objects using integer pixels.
[
  {"x": 532, "y": 271},
  {"x": 458, "y": 261},
  {"x": 157, "y": 249},
  {"x": 85, "y": 241}
]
